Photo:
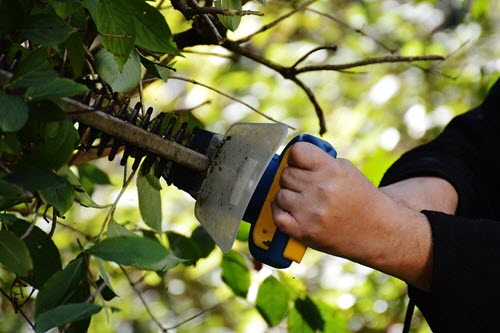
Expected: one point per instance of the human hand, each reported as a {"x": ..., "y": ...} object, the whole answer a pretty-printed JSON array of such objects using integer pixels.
[
  {"x": 329, "y": 205},
  {"x": 324, "y": 201}
]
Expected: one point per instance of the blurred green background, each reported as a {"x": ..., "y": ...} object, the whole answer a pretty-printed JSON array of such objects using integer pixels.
[{"x": 373, "y": 114}]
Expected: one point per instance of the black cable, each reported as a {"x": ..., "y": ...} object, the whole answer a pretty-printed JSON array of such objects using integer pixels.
[{"x": 409, "y": 315}]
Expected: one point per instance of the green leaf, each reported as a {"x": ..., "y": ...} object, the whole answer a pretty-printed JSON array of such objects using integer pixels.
[
  {"x": 81, "y": 196},
  {"x": 81, "y": 295},
  {"x": 43, "y": 252},
  {"x": 55, "y": 144},
  {"x": 142, "y": 253},
  {"x": 76, "y": 53},
  {"x": 198, "y": 246},
  {"x": 148, "y": 190},
  {"x": 235, "y": 273},
  {"x": 204, "y": 242},
  {"x": 159, "y": 71},
  {"x": 56, "y": 88},
  {"x": 65, "y": 8},
  {"x": 10, "y": 144},
  {"x": 115, "y": 23},
  {"x": 117, "y": 230},
  {"x": 152, "y": 30},
  {"x": 120, "y": 78},
  {"x": 33, "y": 70},
  {"x": 14, "y": 113},
  {"x": 91, "y": 175},
  {"x": 11, "y": 194},
  {"x": 272, "y": 301},
  {"x": 33, "y": 178},
  {"x": 104, "y": 275},
  {"x": 60, "y": 195},
  {"x": 14, "y": 254},
  {"x": 233, "y": 21},
  {"x": 55, "y": 190},
  {"x": 61, "y": 286},
  {"x": 310, "y": 316},
  {"x": 46, "y": 29},
  {"x": 65, "y": 314},
  {"x": 12, "y": 14},
  {"x": 107, "y": 293}
]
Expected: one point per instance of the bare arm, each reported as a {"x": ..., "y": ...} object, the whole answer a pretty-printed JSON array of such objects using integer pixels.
[
  {"x": 424, "y": 193},
  {"x": 329, "y": 205}
]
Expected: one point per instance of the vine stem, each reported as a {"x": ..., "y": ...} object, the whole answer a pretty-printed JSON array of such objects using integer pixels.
[
  {"x": 230, "y": 97},
  {"x": 111, "y": 211},
  {"x": 143, "y": 301},
  {"x": 191, "y": 318},
  {"x": 17, "y": 308}
]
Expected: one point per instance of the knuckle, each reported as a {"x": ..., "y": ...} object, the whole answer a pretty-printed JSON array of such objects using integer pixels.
[{"x": 285, "y": 177}]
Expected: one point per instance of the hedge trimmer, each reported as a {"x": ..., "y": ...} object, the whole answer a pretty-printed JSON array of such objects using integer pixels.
[{"x": 233, "y": 177}]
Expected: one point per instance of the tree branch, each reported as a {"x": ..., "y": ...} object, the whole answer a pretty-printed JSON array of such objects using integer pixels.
[
  {"x": 369, "y": 61},
  {"x": 230, "y": 97},
  {"x": 275, "y": 22}
]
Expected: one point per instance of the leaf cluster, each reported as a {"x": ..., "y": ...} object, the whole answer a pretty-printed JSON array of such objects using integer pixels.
[
  {"x": 56, "y": 52},
  {"x": 52, "y": 51}
]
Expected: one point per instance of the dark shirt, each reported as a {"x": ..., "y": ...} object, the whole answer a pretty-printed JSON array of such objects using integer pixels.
[{"x": 465, "y": 286}]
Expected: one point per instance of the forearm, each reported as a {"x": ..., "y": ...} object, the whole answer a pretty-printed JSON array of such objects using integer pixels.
[
  {"x": 424, "y": 193},
  {"x": 409, "y": 256},
  {"x": 395, "y": 240}
]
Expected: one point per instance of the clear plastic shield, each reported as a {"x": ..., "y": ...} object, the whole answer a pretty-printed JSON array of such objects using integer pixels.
[{"x": 232, "y": 177}]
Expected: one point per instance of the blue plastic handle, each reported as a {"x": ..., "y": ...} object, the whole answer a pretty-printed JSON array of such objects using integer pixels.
[{"x": 273, "y": 256}]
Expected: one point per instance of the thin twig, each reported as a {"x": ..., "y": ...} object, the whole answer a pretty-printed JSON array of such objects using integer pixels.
[
  {"x": 111, "y": 211},
  {"x": 33, "y": 222},
  {"x": 141, "y": 98},
  {"x": 225, "y": 11},
  {"x": 143, "y": 301},
  {"x": 214, "y": 29},
  {"x": 369, "y": 61},
  {"x": 319, "y": 48},
  {"x": 191, "y": 318},
  {"x": 115, "y": 36},
  {"x": 187, "y": 110},
  {"x": 230, "y": 97},
  {"x": 357, "y": 30},
  {"x": 227, "y": 56},
  {"x": 275, "y": 22},
  {"x": 87, "y": 236},
  {"x": 17, "y": 308}
]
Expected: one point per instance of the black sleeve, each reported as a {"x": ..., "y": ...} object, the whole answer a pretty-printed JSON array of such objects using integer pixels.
[
  {"x": 465, "y": 287},
  {"x": 465, "y": 291},
  {"x": 467, "y": 154}
]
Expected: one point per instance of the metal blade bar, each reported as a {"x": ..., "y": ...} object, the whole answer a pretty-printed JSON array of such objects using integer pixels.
[
  {"x": 131, "y": 134},
  {"x": 136, "y": 136}
]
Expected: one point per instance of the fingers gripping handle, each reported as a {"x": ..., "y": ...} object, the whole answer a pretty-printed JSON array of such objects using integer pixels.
[{"x": 268, "y": 244}]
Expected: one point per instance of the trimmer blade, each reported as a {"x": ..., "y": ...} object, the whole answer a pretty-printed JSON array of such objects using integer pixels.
[{"x": 232, "y": 177}]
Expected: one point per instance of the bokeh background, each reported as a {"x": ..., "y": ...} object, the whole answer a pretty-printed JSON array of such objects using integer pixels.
[{"x": 373, "y": 114}]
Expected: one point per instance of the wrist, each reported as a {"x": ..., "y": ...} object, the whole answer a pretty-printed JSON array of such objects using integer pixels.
[{"x": 399, "y": 243}]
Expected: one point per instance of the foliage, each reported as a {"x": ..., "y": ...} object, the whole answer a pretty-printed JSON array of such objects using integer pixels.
[{"x": 315, "y": 65}]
